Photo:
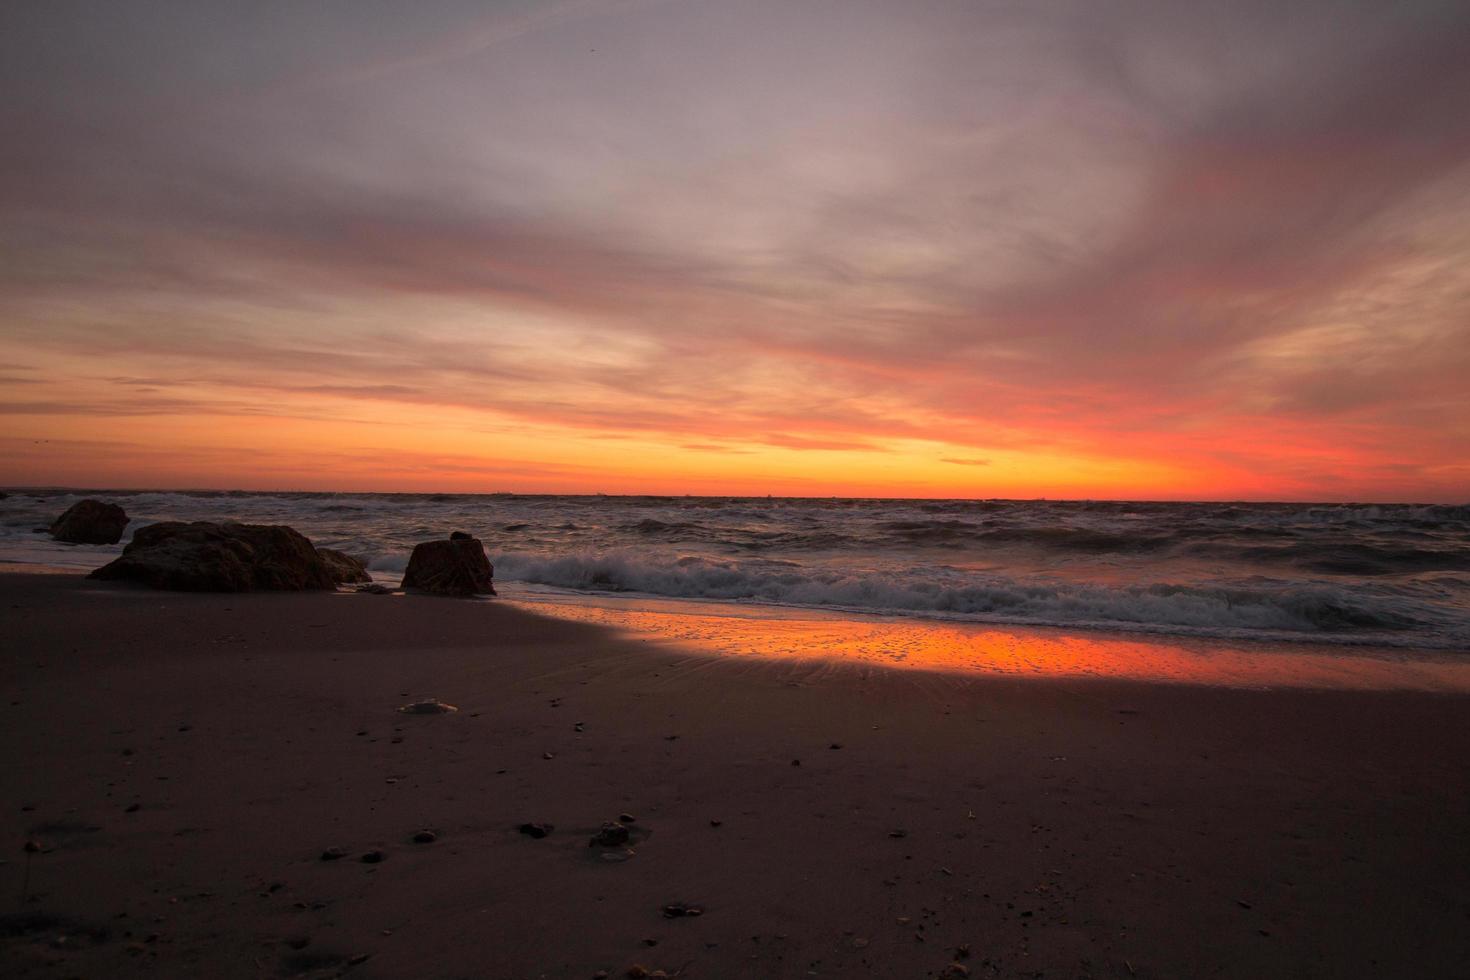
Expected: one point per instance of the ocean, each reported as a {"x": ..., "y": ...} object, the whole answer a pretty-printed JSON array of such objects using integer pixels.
[{"x": 1382, "y": 575}]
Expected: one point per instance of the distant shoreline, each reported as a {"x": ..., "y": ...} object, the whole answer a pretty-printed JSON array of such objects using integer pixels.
[{"x": 222, "y": 491}]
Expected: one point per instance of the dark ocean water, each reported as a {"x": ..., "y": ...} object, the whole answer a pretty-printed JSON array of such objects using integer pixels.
[{"x": 1395, "y": 575}]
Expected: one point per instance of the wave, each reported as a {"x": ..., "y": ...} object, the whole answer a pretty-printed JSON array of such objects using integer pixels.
[
  {"x": 1293, "y": 611},
  {"x": 1345, "y": 557}
]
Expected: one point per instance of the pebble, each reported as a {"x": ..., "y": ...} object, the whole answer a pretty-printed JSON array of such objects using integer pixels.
[
  {"x": 627, "y": 818},
  {"x": 373, "y": 857},
  {"x": 536, "y": 830},
  {"x": 679, "y": 910},
  {"x": 898, "y": 833},
  {"x": 425, "y": 837}
]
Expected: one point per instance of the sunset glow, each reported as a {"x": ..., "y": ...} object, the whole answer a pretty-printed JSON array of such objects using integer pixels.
[{"x": 1136, "y": 250}]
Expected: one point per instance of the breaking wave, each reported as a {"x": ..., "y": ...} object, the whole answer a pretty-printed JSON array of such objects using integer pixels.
[{"x": 1295, "y": 611}]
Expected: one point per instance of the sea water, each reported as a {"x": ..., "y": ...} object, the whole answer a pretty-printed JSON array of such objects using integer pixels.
[{"x": 1381, "y": 575}]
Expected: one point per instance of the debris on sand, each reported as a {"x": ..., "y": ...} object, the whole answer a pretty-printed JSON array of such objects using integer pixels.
[
  {"x": 680, "y": 910},
  {"x": 373, "y": 857},
  {"x": 429, "y": 706},
  {"x": 334, "y": 854},
  {"x": 536, "y": 830},
  {"x": 609, "y": 835}
]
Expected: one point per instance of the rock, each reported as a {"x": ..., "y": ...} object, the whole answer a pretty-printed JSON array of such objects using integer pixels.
[
  {"x": 373, "y": 588},
  {"x": 536, "y": 830},
  {"x": 425, "y": 837},
  {"x": 334, "y": 854},
  {"x": 90, "y": 522},
  {"x": 427, "y": 707},
  {"x": 373, "y": 857},
  {"x": 207, "y": 557},
  {"x": 460, "y": 536},
  {"x": 610, "y": 835},
  {"x": 455, "y": 567},
  {"x": 345, "y": 569},
  {"x": 627, "y": 818}
]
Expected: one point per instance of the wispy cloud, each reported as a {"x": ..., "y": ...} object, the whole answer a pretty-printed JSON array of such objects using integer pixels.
[{"x": 953, "y": 233}]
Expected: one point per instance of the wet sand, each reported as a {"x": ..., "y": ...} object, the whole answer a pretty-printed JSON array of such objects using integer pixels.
[{"x": 184, "y": 760}]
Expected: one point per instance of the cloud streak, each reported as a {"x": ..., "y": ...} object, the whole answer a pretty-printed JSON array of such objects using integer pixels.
[{"x": 996, "y": 240}]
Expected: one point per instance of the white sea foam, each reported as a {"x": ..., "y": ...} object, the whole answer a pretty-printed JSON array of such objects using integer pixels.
[{"x": 1296, "y": 612}]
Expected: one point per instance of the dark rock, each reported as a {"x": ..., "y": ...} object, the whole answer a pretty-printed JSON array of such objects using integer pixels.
[
  {"x": 461, "y": 536},
  {"x": 373, "y": 857},
  {"x": 610, "y": 835},
  {"x": 536, "y": 830},
  {"x": 345, "y": 569},
  {"x": 425, "y": 837},
  {"x": 627, "y": 818},
  {"x": 334, "y": 854},
  {"x": 455, "y": 567},
  {"x": 206, "y": 557},
  {"x": 90, "y": 522},
  {"x": 373, "y": 588}
]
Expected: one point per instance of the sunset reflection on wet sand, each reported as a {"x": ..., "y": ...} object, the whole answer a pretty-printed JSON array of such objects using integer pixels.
[{"x": 768, "y": 632}]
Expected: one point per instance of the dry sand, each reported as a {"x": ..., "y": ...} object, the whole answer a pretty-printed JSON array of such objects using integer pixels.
[{"x": 184, "y": 760}]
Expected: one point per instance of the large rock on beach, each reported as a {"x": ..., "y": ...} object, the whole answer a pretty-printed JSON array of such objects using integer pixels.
[
  {"x": 454, "y": 567},
  {"x": 346, "y": 570},
  {"x": 207, "y": 557},
  {"x": 90, "y": 522}
]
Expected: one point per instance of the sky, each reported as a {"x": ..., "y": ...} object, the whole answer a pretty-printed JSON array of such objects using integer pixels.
[{"x": 1164, "y": 249}]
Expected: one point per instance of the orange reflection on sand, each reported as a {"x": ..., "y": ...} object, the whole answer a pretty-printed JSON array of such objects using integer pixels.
[{"x": 744, "y": 631}]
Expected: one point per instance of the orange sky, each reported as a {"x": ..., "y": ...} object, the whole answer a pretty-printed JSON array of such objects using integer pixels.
[{"x": 1194, "y": 250}]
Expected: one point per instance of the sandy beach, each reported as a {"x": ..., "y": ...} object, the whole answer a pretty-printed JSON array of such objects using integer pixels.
[{"x": 183, "y": 762}]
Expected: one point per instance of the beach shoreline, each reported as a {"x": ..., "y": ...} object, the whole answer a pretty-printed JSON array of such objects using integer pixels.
[{"x": 184, "y": 760}]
